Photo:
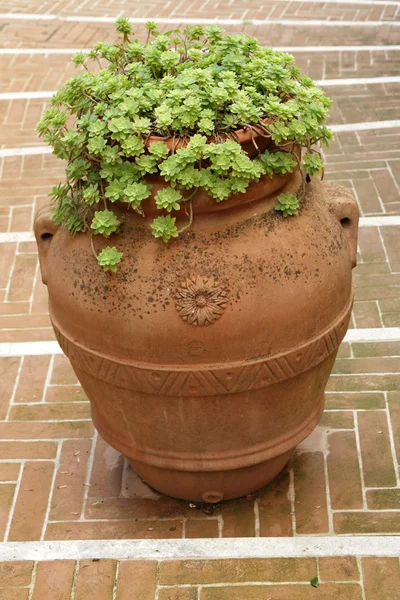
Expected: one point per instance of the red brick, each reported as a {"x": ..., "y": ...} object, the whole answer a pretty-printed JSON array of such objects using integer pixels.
[
  {"x": 136, "y": 579},
  {"x": 394, "y": 409},
  {"x": 370, "y": 245},
  {"x": 381, "y": 578},
  {"x": 22, "y": 277},
  {"x": 21, "y": 219},
  {"x": 366, "y": 522},
  {"x": 310, "y": 493},
  {"x": 327, "y": 591},
  {"x": 65, "y": 393},
  {"x": 107, "y": 471},
  {"x": 63, "y": 373},
  {"x": 7, "y": 255},
  {"x": 30, "y": 450},
  {"x": 383, "y": 499},
  {"x": 177, "y": 593},
  {"x": 68, "y": 494},
  {"x": 375, "y": 449},
  {"x": 359, "y": 400},
  {"x": 238, "y": 518},
  {"x": 339, "y": 568},
  {"x": 337, "y": 420},
  {"x": 8, "y": 373},
  {"x": 33, "y": 376},
  {"x": 6, "y": 500},
  {"x": 201, "y": 528},
  {"x": 95, "y": 580},
  {"x": 366, "y": 314},
  {"x": 67, "y": 411},
  {"x": 9, "y": 471},
  {"x": 31, "y": 505},
  {"x": 179, "y": 572},
  {"x": 343, "y": 471},
  {"x": 16, "y": 574},
  {"x": 275, "y": 508},
  {"x": 14, "y": 594},
  {"x": 54, "y": 580},
  {"x": 41, "y": 430},
  {"x": 111, "y": 530}
]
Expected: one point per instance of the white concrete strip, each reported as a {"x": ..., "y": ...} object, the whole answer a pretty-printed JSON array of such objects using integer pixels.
[
  {"x": 10, "y": 349},
  {"x": 335, "y": 48},
  {"x": 365, "y": 126},
  {"x": 357, "y": 81},
  {"x": 17, "y": 236},
  {"x": 201, "y": 21},
  {"x": 219, "y": 21},
  {"x": 384, "y": 221},
  {"x": 382, "y": 334},
  {"x": 203, "y": 548},
  {"x": 25, "y": 95},
  {"x": 28, "y": 17},
  {"x": 44, "y": 50},
  {"x": 383, "y": 48},
  {"x": 28, "y": 151},
  {"x": 29, "y": 349}
]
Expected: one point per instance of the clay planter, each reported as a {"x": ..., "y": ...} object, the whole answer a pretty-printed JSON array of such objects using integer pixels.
[{"x": 206, "y": 359}]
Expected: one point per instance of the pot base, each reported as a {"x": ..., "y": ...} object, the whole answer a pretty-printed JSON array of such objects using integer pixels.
[{"x": 211, "y": 487}]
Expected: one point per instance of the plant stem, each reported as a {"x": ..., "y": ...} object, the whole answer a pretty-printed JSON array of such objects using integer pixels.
[{"x": 92, "y": 244}]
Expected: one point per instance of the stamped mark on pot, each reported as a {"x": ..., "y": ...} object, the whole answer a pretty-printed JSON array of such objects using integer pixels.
[
  {"x": 195, "y": 348},
  {"x": 201, "y": 300}
]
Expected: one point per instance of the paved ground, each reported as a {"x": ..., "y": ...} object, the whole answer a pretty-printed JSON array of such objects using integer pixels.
[
  {"x": 60, "y": 481},
  {"x": 342, "y": 578}
]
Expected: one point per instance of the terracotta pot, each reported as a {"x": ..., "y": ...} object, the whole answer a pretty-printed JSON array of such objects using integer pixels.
[
  {"x": 249, "y": 139},
  {"x": 206, "y": 359}
]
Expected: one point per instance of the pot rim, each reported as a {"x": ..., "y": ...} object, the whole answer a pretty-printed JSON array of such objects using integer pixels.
[{"x": 244, "y": 134}]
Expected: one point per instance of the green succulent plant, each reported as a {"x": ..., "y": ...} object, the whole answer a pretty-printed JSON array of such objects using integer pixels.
[{"x": 195, "y": 88}]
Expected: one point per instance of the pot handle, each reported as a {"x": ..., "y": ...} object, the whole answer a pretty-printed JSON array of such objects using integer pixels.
[
  {"x": 45, "y": 228},
  {"x": 344, "y": 207}
]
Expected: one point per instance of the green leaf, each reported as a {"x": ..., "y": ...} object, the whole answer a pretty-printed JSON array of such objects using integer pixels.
[
  {"x": 159, "y": 150},
  {"x": 79, "y": 59},
  {"x": 77, "y": 169},
  {"x": 287, "y": 204},
  {"x": 135, "y": 193},
  {"x": 141, "y": 125},
  {"x": 115, "y": 191},
  {"x": 168, "y": 199},
  {"x": 313, "y": 163},
  {"x": 109, "y": 257},
  {"x": 122, "y": 25},
  {"x": 105, "y": 222},
  {"x": 146, "y": 164},
  {"x": 91, "y": 194},
  {"x": 96, "y": 145},
  {"x": 315, "y": 582},
  {"x": 132, "y": 145},
  {"x": 164, "y": 228}
]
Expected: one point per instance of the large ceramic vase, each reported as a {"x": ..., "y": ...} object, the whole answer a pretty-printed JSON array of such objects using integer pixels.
[{"x": 205, "y": 359}]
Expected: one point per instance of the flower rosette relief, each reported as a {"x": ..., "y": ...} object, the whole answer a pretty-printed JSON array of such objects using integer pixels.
[{"x": 201, "y": 301}]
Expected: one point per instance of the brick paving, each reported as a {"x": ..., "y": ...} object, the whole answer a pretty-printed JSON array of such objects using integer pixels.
[
  {"x": 60, "y": 481},
  {"x": 66, "y": 34},
  {"x": 342, "y": 578},
  {"x": 237, "y": 9}
]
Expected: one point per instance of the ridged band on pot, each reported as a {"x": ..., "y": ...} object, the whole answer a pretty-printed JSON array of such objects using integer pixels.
[{"x": 207, "y": 380}]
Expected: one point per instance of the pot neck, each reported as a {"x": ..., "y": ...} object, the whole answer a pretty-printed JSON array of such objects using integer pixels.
[{"x": 203, "y": 203}]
